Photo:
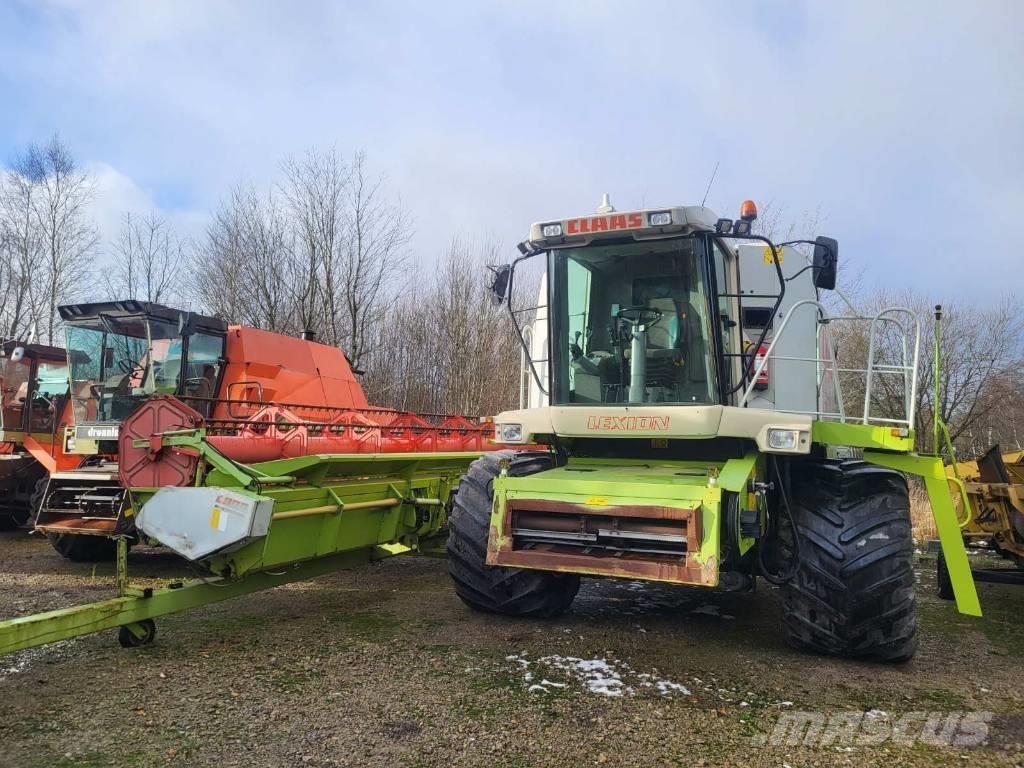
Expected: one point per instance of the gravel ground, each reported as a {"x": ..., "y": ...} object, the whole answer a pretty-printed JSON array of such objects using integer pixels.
[{"x": 386, "y": 666}]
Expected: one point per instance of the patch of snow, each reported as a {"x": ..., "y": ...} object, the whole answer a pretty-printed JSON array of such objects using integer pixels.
[
  {"x": 22, "y": 661},
  {"x": 599, "y": 676}
]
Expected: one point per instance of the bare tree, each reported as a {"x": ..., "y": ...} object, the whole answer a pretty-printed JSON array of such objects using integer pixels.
[
  {"x": 67, "y": 239},
  {"x": 21, "y": 257},
  {"x": 447, "y": 347},
  {"x": 370, "y": 261},
  {"x": 314, "y": 190},
  {"x": 244, "y": 269},
  {"x": 146, "y": 263}
]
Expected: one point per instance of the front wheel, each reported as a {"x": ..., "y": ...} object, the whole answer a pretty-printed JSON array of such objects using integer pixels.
[
  {"x": 853, "y": 592},
  {"x": 493, "y": 589}
]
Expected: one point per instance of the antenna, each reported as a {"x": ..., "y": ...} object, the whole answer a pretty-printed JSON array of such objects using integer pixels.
[{"x": 710, "y": 182}]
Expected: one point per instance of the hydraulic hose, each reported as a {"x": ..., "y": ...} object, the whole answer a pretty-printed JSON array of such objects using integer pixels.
[{"x": 794, "y": 565}]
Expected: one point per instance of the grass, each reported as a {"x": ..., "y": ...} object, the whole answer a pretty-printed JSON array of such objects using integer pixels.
[{"x": 922, "y": 521}]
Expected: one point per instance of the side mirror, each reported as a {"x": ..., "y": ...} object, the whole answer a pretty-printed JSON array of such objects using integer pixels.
[
  {"x": 499, "y": 287},
  {"x": 826, "y": 261},
  {"x": 17, "y": 354}
]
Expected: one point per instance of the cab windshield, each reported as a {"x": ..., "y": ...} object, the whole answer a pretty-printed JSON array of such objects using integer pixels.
[
  {"x": 629, "y": 324},
  {"x": 116, "y": 363},
  {"x": 27, "y": 402},
  {"x": 14, "y": 383}
]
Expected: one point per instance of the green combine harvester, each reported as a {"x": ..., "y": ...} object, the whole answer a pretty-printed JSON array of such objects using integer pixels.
[
  {"x": 677, "y": 425},
  {"x": 695, "y": 431}
]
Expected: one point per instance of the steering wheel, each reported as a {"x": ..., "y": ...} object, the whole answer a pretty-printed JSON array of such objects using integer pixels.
[
  {"x": 641, "y": 315},
  {"x": 129, "y": 368}
]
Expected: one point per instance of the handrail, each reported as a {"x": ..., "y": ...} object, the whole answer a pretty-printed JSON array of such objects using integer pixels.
[
  {"x": 908, "y": 402},
  {"x": 524, "y": 373},
  {"x": 905, "y": 322}
]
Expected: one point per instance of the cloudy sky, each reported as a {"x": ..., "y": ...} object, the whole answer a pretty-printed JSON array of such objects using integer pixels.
[{"x": 902, "y": 123}]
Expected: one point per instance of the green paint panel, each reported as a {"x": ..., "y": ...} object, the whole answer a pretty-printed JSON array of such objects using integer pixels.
[
  {"x": 861, "y": 436},
  {"x": 334, "y": 512},
  {"x": 681, "y": 485}
]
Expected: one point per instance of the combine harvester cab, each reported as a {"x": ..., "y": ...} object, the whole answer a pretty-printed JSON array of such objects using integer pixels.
[
  {"x": 698, "y": 430},
  {"x": 33, "y": 389},
  {"x": 262, "y": 396}
]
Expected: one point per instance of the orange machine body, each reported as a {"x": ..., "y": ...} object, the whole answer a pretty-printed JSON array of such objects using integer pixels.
[{"x": 271, "y": 367}]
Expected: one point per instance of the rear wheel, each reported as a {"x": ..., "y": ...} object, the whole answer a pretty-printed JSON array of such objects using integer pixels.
[
  {"x": 21, "y": 508},
  {"x": 83, "y": 549},
  {"x": 853, "y": 593},
  {"x": 510, "y": 591}
]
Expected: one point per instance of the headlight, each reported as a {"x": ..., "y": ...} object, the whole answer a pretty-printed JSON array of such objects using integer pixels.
[
  {"x": 509, "y": 433},
  {"x": 660, "y": 219},
  {"x": 552, "y": 230},
  {"x": 783, "y": 439}
]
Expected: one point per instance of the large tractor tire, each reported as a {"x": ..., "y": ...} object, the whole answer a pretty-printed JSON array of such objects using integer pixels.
[
  {"x": 22, "y": 507},
  {"x": 84, "y": 549},
  {"x": 853, "y": 592},
  {"x": 509, "y": 591},
  {"x": 9, "y": 520}
]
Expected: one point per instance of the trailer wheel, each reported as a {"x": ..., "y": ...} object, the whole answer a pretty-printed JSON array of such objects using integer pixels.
[
  {"x": 83, "y": 549},
  {"x": 509, "y": 591},
  {"x": 128, "y": 639},
  {"x": 853, "y": 593}
]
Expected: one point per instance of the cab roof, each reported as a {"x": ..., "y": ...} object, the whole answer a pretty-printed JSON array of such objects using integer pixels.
[
  {"x": 39, "y": 351},
  {"x": 117, "y": 310},
  {"x": 607, "y": 223}
]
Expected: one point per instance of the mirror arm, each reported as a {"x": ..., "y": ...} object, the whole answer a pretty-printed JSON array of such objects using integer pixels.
[{"x": 528, "y": 252}]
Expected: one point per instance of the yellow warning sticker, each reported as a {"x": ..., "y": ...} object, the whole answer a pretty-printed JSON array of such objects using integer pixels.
[
  {"x": 215, "y": 518},
  {"x": 768, "y": 254},
  {"x": 597, "y": 501}
]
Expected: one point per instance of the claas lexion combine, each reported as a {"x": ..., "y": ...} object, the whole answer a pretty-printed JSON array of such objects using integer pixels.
[{"x": 679, "y": 424}]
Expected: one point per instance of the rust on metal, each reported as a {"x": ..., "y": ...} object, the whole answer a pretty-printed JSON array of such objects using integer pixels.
[{"x": 567, "y": 517}]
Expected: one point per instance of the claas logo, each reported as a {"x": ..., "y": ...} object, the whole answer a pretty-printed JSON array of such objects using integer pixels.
[{"x": 607, "y": 223}]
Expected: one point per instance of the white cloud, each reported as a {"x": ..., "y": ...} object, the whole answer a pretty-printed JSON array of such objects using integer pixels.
[
  {"x": 903, "y": 122},
  {"x": 116, "y": 195}
]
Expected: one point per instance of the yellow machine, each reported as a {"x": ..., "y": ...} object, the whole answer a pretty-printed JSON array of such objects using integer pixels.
[{"x": 993, "y": 487}]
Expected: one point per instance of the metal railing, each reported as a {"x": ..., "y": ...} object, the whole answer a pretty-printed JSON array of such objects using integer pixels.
[{"x": 900, "y": 320}]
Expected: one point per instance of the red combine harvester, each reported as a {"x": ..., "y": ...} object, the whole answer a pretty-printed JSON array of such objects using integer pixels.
[
  {"x": 33, "y": 385},
  {"x": 259, "y": 396}
]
